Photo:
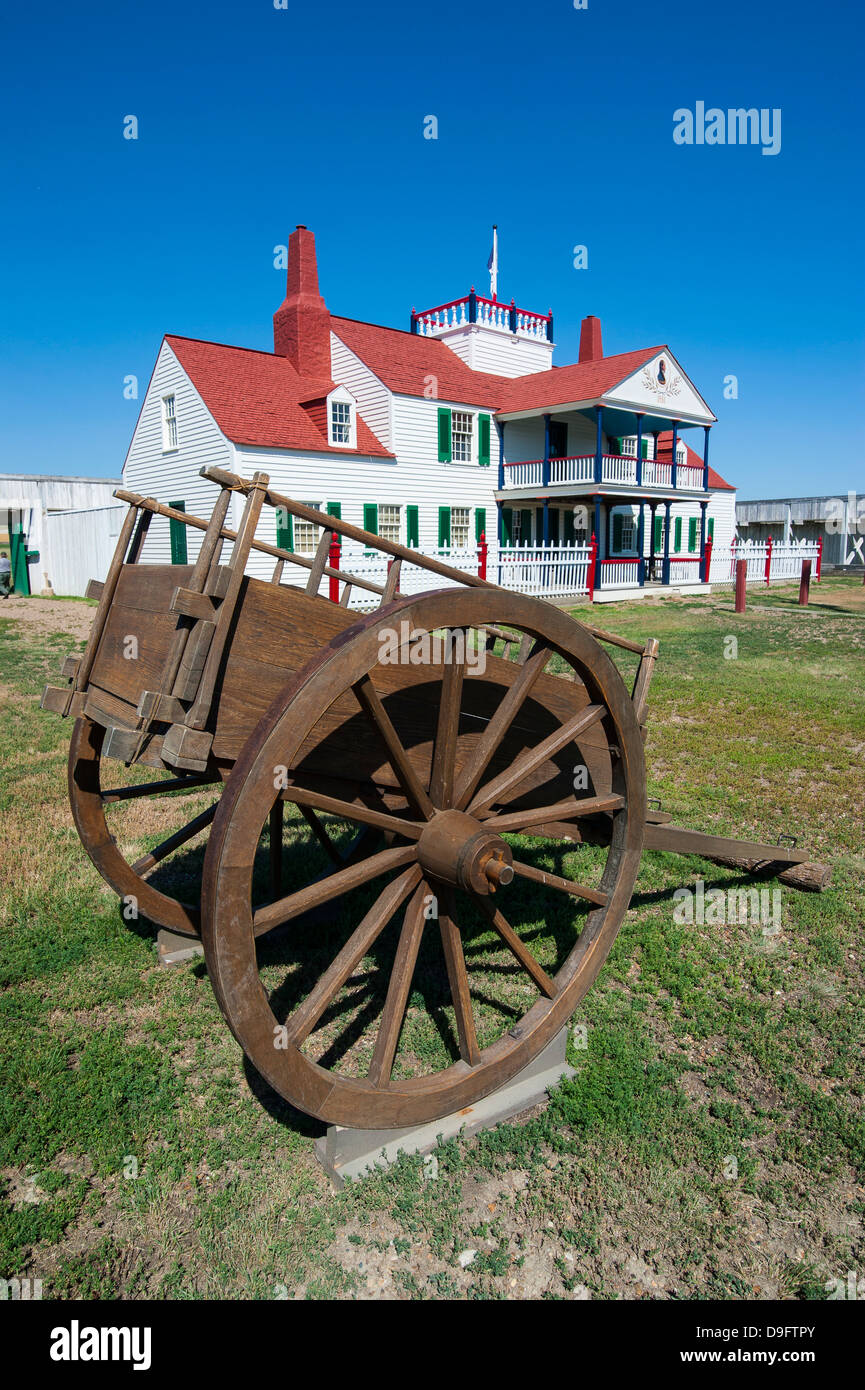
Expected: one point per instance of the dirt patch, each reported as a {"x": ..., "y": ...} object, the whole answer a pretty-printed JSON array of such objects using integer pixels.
[{"x": 46, "y": 616}]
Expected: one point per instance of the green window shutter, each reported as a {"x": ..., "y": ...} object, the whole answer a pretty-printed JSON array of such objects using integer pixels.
[
  {"x": 710, "y": 524},
  {"x": 177, "y": 533},
  {"x": 370, "y": 517},
  {"x": 444, "y": 527},
  {"x": 484, "y": 441},
  {"x": 554, "y": 525},
  {"x": 659, "y": 522},
  {"x": 284, "y": 529},
  {"x": 526, "y": 527},
  {"x": 480, "y": 522},
  {"x": 618, "y": 521},
  {"x": 677, "y": 543},
  {"x": 444, "y": 434},
  {"x": 507, "y": 525},
  {"x": 411, "y": 526},
  {"x": 692, "y": 533},
  {"x": 568, "y": 533},
  {"x": 335, "y": 509},
  {"x": 644, "y": 448}
]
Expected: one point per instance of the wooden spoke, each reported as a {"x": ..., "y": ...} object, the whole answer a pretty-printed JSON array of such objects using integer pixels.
[
  {"x": 393, "y": 1013},
  {"x": 371, "y": 704},
  {"x": 560, "y": 810},
  {"x": 498, "y": 726},
  {"x": 517, "y": 948},
  {"x": 441, "y": 786},
  {"x": 565, "y": 885},
  {"x": 166, "y": 784},
  {"x": 321, "y": 834},
  {"x": 180, "y": 837},
  {"x": 353, "y": 811},
  {"x": 276, "y": 847},
  {"x": 305, "y": 899},
  {"x": 533, "y": 758},
  {"x": 458, "y": 978},
  {"x": 306, "y": 1016}
]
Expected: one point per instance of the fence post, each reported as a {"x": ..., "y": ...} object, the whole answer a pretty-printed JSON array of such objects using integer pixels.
[
  {"x": 707, "y": 559},
  {"x": 741, "y": 584},
  {"x": 593, "y": 559},
  {"x": 768, "y": 559},
  {"x": 805, "y": 583},
  {"x": 819, "y": 557},
  {"x": 482, "y": 556},
  {"x": 333, "y": 562}
]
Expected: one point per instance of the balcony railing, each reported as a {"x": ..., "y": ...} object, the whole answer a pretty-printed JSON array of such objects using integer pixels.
[
  {"x": 615, "y": 468},
  {"x": 474, "y": 308}
]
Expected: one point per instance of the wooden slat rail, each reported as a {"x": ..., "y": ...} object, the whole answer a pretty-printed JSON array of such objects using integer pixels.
[{"x": 199, "y": 524}]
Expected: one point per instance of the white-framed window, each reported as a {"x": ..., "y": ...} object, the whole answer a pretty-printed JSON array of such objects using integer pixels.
[
  {"x": 516, "y": 526},
  {"x": 388, "y": 521},
  {"x": 680, "y": 455},
  {"x": 340, "y": 422},
  {"x": 306, "y": 534},
  {"x": 629, "y": 445},
  {"x": 461, "y": 439},
  {"x": 460, "y": 527},
  {"x": 629, "y": 533},
  {"x": 342, "y": 419},
  {"x": 169, "y": 423}
]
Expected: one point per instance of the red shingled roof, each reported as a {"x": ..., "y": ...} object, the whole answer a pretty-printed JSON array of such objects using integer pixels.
[
  {"x": 580, "y": 381},
  {"x": 716, "y": 482},
  {"x": 255, "y": 398},
  {"x": 405, "y": 361}
]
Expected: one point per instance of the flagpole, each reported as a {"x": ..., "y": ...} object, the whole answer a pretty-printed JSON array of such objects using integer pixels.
[{"x": 493, "y": 263}]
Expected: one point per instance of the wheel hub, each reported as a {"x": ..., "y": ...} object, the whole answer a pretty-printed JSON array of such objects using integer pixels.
[{"x": 456, "y": 848}]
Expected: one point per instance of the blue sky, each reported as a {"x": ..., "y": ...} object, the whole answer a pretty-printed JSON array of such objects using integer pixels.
[{"x": 555, "y": 123}]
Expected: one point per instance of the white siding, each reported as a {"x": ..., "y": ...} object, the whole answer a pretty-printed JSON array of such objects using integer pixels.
[
  {"x": 372, "y": 396},
  {"x": 78, "y": 546},
  {"x": 170, "y": 477},
  {"x": 495, "y": 350}
]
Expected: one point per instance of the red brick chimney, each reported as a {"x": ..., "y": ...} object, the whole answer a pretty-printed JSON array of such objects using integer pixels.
[
  {"x": 591, "y": 349},
  {"x": 301, "y": 325}
]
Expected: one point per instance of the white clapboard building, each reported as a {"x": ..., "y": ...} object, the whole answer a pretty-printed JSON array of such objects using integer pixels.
[{"x": 457, "y": 428}]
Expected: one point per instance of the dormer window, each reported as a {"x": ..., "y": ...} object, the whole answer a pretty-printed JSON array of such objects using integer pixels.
[
  {"x": 342, "y": 419},
  {"x": 169, "y": 424}
]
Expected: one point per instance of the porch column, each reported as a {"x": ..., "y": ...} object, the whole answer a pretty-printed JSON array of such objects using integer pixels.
[
  {"x": 599, "y": 444},
  {"x": 665, "y": 572},
  {"x": 597, "y": 532},
  {"x": 703, "y": 506},
  {"x": 501, "y": 457},
  {"x": 500, "y": 527},
  {"x": 675, "y": 446},
  {"x": 653, "y": 507},
  {"x": 706, "y": 429},
  {"x": 545, "y": 477},
  {"x": 639, "y": 449},
  {"x": 641, "y": 546}
]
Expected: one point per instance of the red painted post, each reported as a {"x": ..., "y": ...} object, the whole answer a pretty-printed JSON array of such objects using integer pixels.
[
  {"x": 805, "y": 583},
  {"x": 741, "y": 584},
  {"x": 593, "y": 560},
  {"x": 768, "y": 559},
  {"x": 333, "y": 562},
  {"x": 482, "y": 556},
  {"x": 707, "y": 559},
  {"x": 819, "y": 557}
]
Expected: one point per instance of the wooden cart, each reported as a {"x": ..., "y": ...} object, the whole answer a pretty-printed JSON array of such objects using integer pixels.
[{"x": 436, "y": 728}]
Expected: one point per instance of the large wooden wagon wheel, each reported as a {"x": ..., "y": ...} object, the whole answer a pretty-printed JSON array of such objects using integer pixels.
[
  {"x": 99, "y": 788},
  {"x": 446, "y": 824}
]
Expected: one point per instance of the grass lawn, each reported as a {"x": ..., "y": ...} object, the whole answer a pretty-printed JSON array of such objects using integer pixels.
[{"x": 711, "y": 1144}]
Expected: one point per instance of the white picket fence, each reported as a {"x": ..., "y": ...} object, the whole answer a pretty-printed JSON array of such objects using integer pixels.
[
  {"x": 786, "y": 561},
  {"x": 548, "y": 571}
]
